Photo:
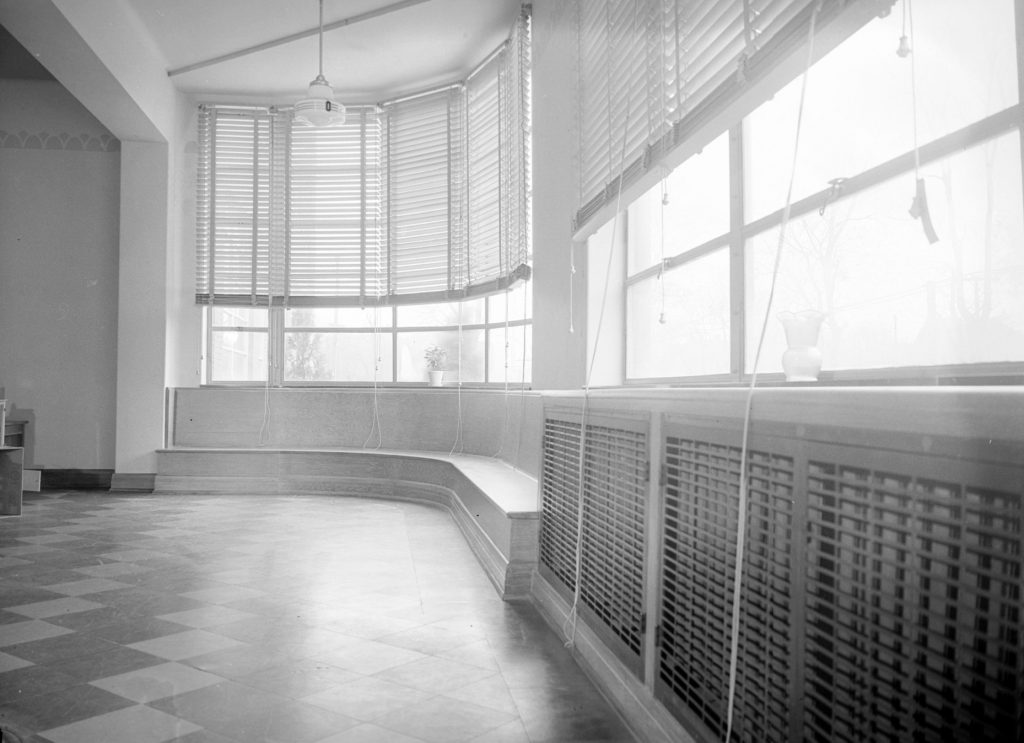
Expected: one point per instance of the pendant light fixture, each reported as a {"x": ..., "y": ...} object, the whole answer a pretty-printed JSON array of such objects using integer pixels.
[{"x": 319, "y": 108}]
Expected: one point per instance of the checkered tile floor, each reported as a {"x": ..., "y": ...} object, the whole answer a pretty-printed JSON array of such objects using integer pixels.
[{"x": 152, "y": 618}]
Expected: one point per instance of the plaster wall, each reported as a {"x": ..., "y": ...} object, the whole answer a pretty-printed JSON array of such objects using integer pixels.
[{"x": 59, "y": 195}]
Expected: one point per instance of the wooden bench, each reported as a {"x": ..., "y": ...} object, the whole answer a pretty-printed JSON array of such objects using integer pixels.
[{"x": 495, "y": 506}]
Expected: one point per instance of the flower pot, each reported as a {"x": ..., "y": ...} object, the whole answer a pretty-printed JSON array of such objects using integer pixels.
[
  {"x": 436, "y": 377},
  {"x": 802, "y": 360}
]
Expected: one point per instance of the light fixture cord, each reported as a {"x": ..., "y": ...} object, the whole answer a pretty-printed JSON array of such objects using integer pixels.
[{"x": 320, "y": 69}]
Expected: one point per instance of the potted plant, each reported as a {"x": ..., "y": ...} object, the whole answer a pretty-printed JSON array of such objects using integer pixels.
[{"x": 435, "y": 356}]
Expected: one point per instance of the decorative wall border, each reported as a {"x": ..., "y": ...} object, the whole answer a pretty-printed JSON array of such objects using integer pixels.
[{"x": 44, "y": 140}]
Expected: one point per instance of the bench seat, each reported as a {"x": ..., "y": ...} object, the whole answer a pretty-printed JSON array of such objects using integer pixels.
[{"x": 495, "y": 506}]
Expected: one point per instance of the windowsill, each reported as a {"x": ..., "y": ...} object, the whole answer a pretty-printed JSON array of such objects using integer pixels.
[
  {"x": 491, "y": 386},
  {"x": 1000, "y": 374}
]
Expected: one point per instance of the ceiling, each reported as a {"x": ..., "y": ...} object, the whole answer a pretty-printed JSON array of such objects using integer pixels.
[
  {"x": 411, "y": 45},
  {"x": 381, "y": 50}
]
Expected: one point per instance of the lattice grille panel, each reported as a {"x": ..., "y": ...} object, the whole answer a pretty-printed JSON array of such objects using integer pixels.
[
  {"x": 914, "y": 608},
  {"x": 560, "y": 500},
  {"x": 698, "y": 553},
  {"x": 615, "y": 494}
]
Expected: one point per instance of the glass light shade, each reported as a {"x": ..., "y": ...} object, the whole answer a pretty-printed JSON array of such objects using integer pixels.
[{"x": 319, "y": 108}]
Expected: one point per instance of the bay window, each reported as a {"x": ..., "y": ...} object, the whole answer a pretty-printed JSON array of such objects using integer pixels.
[{"x": 354, "y": 246}]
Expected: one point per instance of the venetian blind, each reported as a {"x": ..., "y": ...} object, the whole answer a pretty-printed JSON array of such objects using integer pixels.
[
  {"x": 333, "y": 248},
  {"x": 651, "y": 73},
  {"x": 234, "y": 207},
  {"x": 418, "y": 191},
  {"x": 483, "y": 179},
  {"x": 498, "y": 210},
  {"x": 421, "y": 199}
]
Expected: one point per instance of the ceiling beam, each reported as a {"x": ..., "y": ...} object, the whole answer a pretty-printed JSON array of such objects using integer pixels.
[{"x": 296, "y": 36}]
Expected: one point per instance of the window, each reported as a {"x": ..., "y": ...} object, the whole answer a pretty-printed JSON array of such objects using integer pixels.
[
  {"x": 485, "y": 340},
  {"x": 421, "y": 199},
  {"x": 238, "y": 340},
  {"x": 897, "y": 306},
  {"x": 337, "y": 255}
]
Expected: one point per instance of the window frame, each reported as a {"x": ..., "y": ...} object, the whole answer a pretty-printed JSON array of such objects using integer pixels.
[
  {"x": 741, "y": 232},
  {"x": 277, "y": 331}
]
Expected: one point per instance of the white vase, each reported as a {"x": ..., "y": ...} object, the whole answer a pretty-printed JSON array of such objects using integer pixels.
[
  {"x": 436, "y": 377},
  {"x": 802, "y": 359}
]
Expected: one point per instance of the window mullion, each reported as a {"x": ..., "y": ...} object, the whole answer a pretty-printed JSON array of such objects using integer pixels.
[
  {"x": 737, "y": 255},
  {"x": 275, "y": 346}
]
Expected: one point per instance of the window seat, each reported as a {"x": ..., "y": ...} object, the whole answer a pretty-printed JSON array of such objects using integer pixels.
[{"x": 495, "y": 505}]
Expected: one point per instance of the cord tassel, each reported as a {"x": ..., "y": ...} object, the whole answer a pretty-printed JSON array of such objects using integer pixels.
[{"x": 919, "y": 210}]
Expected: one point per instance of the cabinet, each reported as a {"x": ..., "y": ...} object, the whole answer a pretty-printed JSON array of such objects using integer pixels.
[
  {"x": 11, "y": 461},
  {"x": 14, "y": 433}
]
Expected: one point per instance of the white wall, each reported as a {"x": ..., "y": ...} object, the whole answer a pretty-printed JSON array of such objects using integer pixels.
[
  {"x": 558, "y": 354},
  {"x": 59, "y": 195}
]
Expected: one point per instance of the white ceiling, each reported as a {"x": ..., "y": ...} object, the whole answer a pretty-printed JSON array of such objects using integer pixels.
[{"x": 417, "y": 45}]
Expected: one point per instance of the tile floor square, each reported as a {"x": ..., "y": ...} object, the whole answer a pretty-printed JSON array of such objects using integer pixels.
[
  {"x": 133, "y": 555},
  {"x": 292, "y": 722},
  {"x": 224, "y": 595},
  {"x": 48, "y": 539},
  {"x": 156, "y": 682},
  {"x": 54, "y": 607},
  {"x": 114, "y": 659},
  {"x": 32, "y": 680},
  {"x": 212, "y": 706},
  {"x": 370, "y": 733},
  {"x": 86, "y": 586},
  {"x": 368, "y": 657},
  {"x": 298, "y": 679},
  {"x": 137, "y": 724},
  {"x": 20, "y": 632},
  {"x": 58, "y": 707},
  {"x": 184, "y": 644},
  {"x": 12, "y": 663},
  {"x": 112, "y": 569},
  {"x": 206, "y": 616},
  {"x": 438, "y": 721},
  {"x": 60, "y": 648},
  {"x": 368, "y": 698},
  {"x": 435, "y": 674},
  {"x": 490, "y": 692}
]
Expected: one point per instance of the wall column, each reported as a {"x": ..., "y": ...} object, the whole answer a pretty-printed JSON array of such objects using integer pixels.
[
  {"x": 141, "y": 327},
  {"x": 559, "y": 356}
]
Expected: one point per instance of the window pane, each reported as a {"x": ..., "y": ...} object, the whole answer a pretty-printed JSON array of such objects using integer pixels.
[
  {"x": 412, "y": 366},
  {"x": 515, "y": 373},
  {"x": 858, "y": 111},
  {"x": 697, "y": 193},
  {"x": 238, "y": 356},
  {"x": 338, "y": 317},
  {"x": 694, "y": 339},
  {"x": 238, "y": 317},
  {"x": 891, "y": 298},
  {"x": 337, "y": 357},
  {"x": 447, "y": 313},
  {"x": 519, "y": 300}
]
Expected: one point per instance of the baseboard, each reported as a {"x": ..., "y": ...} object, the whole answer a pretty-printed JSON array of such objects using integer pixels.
[
  {"x": 133, "y": 481},
  {"x": 643, "y": 714},
  {"x": 74, "y": 479}
]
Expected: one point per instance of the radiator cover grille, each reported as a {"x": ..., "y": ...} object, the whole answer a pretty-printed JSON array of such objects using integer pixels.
[
  {"x": 615, "y": 496},
  {"x": 698, "y": 554},
  {"x": 913, "y": 608}
]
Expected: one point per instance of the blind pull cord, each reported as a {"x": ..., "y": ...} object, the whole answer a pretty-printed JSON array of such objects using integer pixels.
[
  {"x": 569, "y": 627},
  {"x": 919, "y": 205},
  {"x": 744, "y": 484}
]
